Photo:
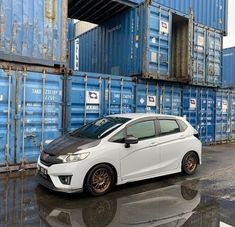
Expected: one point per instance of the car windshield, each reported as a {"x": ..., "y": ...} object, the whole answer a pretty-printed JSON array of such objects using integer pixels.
[{"x": 99, "y": 128}]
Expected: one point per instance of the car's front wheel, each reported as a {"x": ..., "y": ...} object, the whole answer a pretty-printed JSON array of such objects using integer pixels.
[
  {"x": 99, "y": 180},
  {"x": 189, "y": 163}
]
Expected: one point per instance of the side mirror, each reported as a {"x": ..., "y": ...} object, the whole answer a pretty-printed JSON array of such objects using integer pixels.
[{"x": 130, "y": 140}]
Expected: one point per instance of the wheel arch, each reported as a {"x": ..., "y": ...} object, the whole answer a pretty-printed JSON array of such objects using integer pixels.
[{"x": 102, "y": 163}]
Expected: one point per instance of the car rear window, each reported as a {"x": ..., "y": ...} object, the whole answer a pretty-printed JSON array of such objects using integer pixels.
[{"x": 168, "y": 127}]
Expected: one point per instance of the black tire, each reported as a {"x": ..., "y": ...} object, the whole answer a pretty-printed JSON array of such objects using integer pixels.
[
  {"x": 189, "y": 163},
  {"x": 99, "y": 180}
]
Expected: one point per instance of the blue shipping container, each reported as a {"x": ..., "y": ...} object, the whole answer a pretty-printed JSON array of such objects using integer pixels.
[
  {"x": 7, "y": 107},
  {"x": 156, "y": 43},
  {"x": 232, "y": 113},
  {"x": 212, "y": 13},
  {"x": 222, "y": 121},
  {"x": 30, "y": 112},
  {"x": 33, "y": 31},
  {"x": 199, "y": 109},
  {"x": 91, "y": 96},
  {"x": 228, "y": 79}
]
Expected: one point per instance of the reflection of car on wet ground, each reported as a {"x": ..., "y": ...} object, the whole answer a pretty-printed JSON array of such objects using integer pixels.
[
  {"x": 118, "y": 149},
  {"x": 169, "y": 206}
]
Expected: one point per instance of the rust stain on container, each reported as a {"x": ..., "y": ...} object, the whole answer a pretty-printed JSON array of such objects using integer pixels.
[{"x": 50, "y": 9}]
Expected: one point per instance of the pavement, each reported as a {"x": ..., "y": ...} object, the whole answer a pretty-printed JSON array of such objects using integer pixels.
[{"x": 204, "y": 199}]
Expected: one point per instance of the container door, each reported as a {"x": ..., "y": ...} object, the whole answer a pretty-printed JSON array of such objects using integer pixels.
[
  {"x": 147, "y": 98},
  {"x": 156, "y": 62},
  {"x": 199, "y": 56},
  {"x": 214, "y": 58},
  {"x": 7, "y": 99},
  {"x": 206, "y": 118},
  {"x": 85, "y": 99},
  {"x": 232, "y": 117},
  {"x": 190, "y": 105},
  {"x": 40, "y": 113},
  {"x": 119, "y": 96},
  {"x": 181, "y": 47},
  {"x": 171, "y": 100},
  {"x": 222, "y": 116}
]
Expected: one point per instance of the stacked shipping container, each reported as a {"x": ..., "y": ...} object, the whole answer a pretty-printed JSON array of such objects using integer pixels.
[
  {"x": 153, "y": 42},
  {"x": 39, "y": 103},
  {"x": 33, "y": 47}
]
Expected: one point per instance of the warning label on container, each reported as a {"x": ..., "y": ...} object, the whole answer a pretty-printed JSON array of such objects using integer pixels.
[
  {"x": 193, "y": 104},
  {"x": 1, "y": 98},
  {"x": 92, "y": 97},
  {"x": 151, "y": 101},
  {"x": 200, "y": 41},
  {"x": 224, "y": 106},
  {"x": 153, "y": 56},
  {"x": 164, "y": 27}
]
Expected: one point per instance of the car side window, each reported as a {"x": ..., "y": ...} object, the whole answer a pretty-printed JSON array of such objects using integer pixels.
[
  {"x": 168, "y": 127},
  {"x": 118, "y": 138},
  {"x": 142, "y": 130}
]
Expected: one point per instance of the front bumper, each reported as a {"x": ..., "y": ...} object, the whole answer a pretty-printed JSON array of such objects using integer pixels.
[
  {"x": 47, "y": 183},
  {"x": 52, "y": 181}
]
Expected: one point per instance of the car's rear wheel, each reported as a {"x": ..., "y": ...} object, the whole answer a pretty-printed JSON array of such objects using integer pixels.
[
  {"x": 100, "y": 180},
  {"x": 189, "y": 163}
]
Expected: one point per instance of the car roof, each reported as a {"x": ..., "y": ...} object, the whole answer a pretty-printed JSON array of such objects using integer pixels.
[{"x": 142, "y": 115}]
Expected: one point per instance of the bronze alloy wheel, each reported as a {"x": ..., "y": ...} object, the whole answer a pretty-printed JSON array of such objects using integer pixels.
[
  {"x": 100, "y": 180},
  {"x": 189, "y": 164}
]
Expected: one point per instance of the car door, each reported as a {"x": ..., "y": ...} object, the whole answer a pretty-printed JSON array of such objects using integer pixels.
[
  {"x": 171, "y": 142},
  {"x": 140, "y": 160}
]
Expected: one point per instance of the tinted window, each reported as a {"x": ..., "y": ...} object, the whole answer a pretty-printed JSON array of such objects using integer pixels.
[
  {"x": 118, "y": 138},
  {"x": 168, "y": 127},
  {"x": 100, "y": 128},
  {"x": 142, "y": 130}
]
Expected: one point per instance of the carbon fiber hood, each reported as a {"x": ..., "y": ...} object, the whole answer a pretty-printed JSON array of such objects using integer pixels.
[{"x": 69, "y": 144}]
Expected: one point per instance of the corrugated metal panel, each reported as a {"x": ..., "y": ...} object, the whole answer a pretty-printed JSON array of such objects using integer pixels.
[
  {"x": 30, "y": 113},
  {"x": 147, "y": 97},
  {"x": 159, "y": 45},
  {"x": 228, "y": 79},
  {"x": 33, "y": 31},
  {"x": 39, "y": 113},
  {"x": 222, "y": 131},
  {"x": 98, "y": 11},
  {"x": 7, "y": 79},
  {"x": 212, "y": 13},
  {"x": 91, "y": 96},
  {"x": 232, "y": 117},
  {"x": 171, "y": 99},
  {"x": 199, "y": 110}
]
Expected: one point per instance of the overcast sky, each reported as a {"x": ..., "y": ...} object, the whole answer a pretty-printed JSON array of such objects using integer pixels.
[{"x": 229, "y": 41}]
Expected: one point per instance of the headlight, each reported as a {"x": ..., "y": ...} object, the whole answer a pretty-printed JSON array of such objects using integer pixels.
[{"x": 73, "y": 157}]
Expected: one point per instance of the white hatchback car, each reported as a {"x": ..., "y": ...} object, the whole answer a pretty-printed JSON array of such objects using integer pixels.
[{"x": 118, "y": 149}]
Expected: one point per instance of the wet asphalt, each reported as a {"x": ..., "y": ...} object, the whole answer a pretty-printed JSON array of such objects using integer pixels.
[{"x": 204, "y": 199}]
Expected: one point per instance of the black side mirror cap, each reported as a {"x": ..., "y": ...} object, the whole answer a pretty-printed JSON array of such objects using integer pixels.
[{"x": 130, "y": 140}]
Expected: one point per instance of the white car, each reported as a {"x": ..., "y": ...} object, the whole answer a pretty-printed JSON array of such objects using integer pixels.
[{"x": 118, "y": 149}]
